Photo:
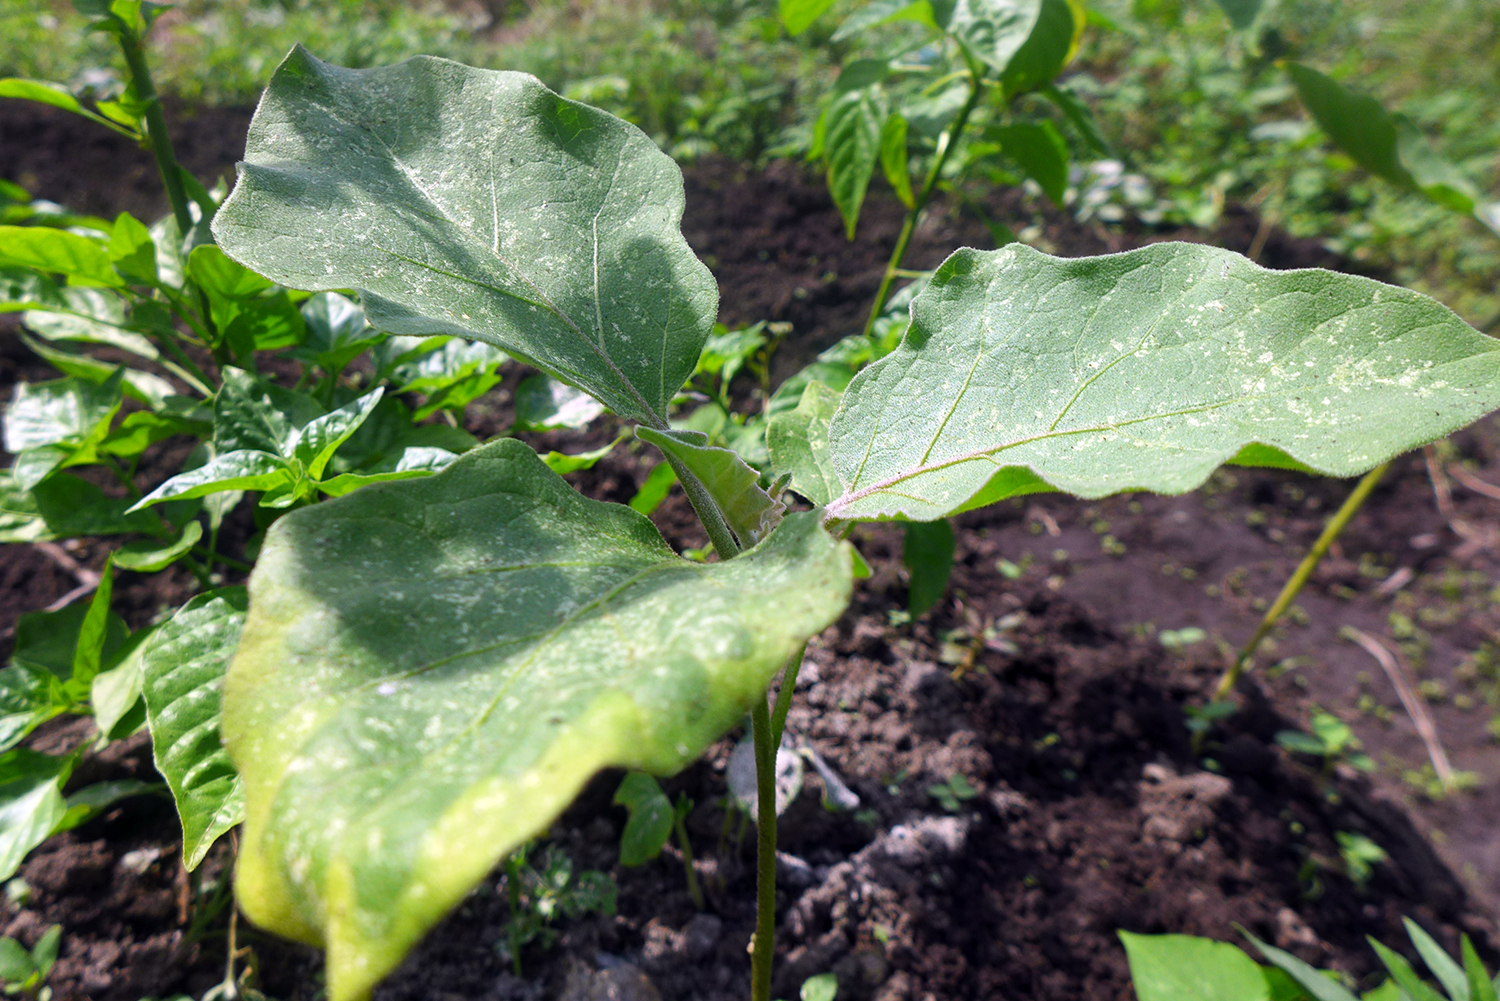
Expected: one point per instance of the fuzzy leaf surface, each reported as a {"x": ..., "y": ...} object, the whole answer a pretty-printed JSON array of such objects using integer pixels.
[
  {"x": 182, "y": 672},
  {"x": 798, "y": 441},
  {"x": 1145, "y": 371},
  {"x": 747, "y": 508},
  {"x": 432, "y": 669},
  {"x": 480, "y": 204}
]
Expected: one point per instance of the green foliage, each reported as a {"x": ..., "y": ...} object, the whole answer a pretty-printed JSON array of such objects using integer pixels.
[
  {"x": 537, "y": 627},
  {"x": 1186, "y": 968},
  {"x": 24, "y": 971},
  {"x": 182, "y": 671},
  {"x": 1331, "y": 739},
  {"x": 1146, "y": 394},
  {"x": 651, "y": 818},
  {"x": 952, "y": 794},
  {"x": 427, "y": 671},
  {"x": 438, "y": 241},
  {"x": 927, "y": 553},
  {"x": 1468, "y": 981},
  {"x": 541, "y": 894}
]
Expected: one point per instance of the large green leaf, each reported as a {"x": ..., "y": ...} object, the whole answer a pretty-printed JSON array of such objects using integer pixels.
[
  {"x": 1144, "y": 371},
  {"x": 1188, "y": 968},
  {"x": 182, "y": 669},
  {"x": 431, "y": 670},
  {"x": 478, "y": 203}
]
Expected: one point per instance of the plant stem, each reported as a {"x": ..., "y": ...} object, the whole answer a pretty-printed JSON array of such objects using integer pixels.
[
  {"x": 694, "y": 890},
  {"x": 784, "y": 694},
  {"x": 156, "y": 125},
  {"x": 211, "y": 556},
  {"x": 1294, "y": 584},
  {"x": 764, "y": 945},
  {"x": 707, "y": 510},
  {"x": 946, "y": 144}
]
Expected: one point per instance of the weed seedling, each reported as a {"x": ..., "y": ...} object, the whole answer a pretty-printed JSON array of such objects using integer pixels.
[{"x": 953, "y": 794}]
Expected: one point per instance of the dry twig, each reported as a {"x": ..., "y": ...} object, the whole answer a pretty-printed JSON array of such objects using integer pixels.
[{"x": 1415, "y": 708}]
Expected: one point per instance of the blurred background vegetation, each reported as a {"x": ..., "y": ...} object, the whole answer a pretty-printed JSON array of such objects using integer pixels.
[{"x": 1199, "y": 116}]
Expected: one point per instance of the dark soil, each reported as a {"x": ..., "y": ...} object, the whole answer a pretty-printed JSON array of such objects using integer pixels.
[{"x": 1042, "y": 679}]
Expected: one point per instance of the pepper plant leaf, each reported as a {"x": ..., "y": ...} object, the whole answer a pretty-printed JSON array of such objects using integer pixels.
[
  {"x": 852, "y": 148},
  {"x": 56, "y": 251},
  {"x": 1049, "y": 47},
  {"x": 182, "y": 672},
  {"x": 432, "y": 669},
  {"x": 480, "y": 204},
  {"x": 995, "y": 30},
  {"x": 1144, "y": 371}
]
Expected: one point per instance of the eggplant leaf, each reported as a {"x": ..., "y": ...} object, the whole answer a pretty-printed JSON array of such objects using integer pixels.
[
  {"x": 432, "y": 669},
  {"x": 480, "y": 204},
  {"x": 1144, "y": 371}
]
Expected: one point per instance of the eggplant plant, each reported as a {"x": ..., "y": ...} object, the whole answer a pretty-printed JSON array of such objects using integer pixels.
[{"x": 429, "y": 670}]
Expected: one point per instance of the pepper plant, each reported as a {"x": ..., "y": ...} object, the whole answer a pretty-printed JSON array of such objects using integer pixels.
[{"x": 430, "y": 670}]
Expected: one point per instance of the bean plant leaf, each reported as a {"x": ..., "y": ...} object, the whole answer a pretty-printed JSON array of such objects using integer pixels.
[
  {"x": 480, "y": 204},
  {"x": 735, "y": 487},
  {"x": 431, "y": 670},
  {"x": 1144, "y": 371},
  {"x": 182, "y": 672},
  {"x": 1179, "y": 967},
  {"x": 798, "y": 441},
  {"x": 651, "y": 817},
  {"x": 852, "y": 148}
]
